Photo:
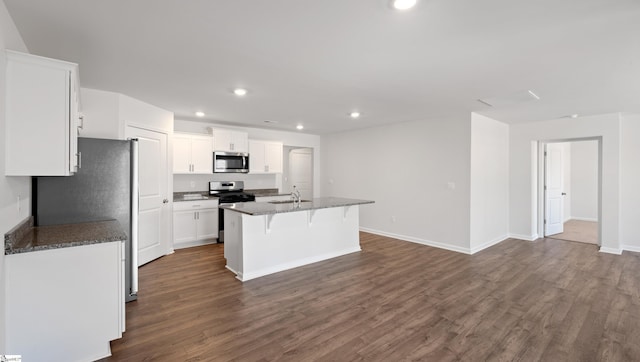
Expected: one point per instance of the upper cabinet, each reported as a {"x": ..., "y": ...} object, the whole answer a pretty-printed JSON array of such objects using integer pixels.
[
  {"x": 42, "y": 116},
  {"x": 265, "y": 157},
  {"x": 192, "y": 153},
  {"x": 230, "y": 141}
]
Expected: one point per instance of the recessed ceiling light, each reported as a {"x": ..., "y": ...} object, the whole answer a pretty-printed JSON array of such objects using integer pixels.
[
  {"x": 299, "y": 127},
  {"x": 575, "y": 115},
  {"x": 200, "y": 114},
  {"x": 403, "y": 4},
  {"x": 354, "y": 114},
  {"x": 240, "y": 92}
]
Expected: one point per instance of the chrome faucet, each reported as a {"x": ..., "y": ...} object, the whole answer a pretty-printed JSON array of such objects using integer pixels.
[{"x": 295, "y": 195}]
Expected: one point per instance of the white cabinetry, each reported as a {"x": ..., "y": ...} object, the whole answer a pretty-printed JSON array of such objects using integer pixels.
[
  {"x": 42, "y": 114},
  {"x": 265, "y": 157},
  {"x": 192, "y": 153},
  {"x": 69, "y": 300},
  {"x": 194, "y": 223},
  {"x": 230, "y": 141}
]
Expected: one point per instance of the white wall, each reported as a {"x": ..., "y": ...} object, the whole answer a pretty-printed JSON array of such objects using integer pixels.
[
  {"x": 630, "y": 183},
  {"x": 185, "y": 183},
  {"x": 12, "y": 212},
  {"x": 583, "y": 191},
  {"x": 406, "y": 169},
  {"x": 522, "y": 172},
  {"x": 489, "y": 195}
]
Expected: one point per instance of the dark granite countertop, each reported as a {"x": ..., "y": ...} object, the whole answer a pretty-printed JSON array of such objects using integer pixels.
[
  {"x": 25, "y": 237},
  {"x": 266, "y": 208}
]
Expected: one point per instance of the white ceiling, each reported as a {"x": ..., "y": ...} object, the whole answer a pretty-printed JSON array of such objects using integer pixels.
[{"x": 314, "y": 61}]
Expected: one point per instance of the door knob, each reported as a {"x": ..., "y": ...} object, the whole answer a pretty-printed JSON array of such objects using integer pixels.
[
  {"x": 165, "y": 201},
  {"x": 564, "y": 194}
]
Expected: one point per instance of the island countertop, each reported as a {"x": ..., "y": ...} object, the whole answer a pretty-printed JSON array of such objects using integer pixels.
[{"x": 268, "y": 208}]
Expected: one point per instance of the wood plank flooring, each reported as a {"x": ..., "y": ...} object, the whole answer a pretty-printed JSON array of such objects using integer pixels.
[{"x": 546, "y": 300}]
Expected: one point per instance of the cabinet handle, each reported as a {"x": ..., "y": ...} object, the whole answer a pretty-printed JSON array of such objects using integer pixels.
[
  {"x": 231, "y": 146},
  {"x": 81, "y": 118},
  {"x": 266, "y": 168},
  {"x": 79, "y": 154}
]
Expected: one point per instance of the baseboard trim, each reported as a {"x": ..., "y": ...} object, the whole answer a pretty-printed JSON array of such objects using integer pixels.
[
  {"x": 583, "y": 219},
  {"x": 633, "y": 248},
  {"x": 412, "y": 239},
  {"x": 489, "y": 244},
  {"x": 615, "y": 251},
  {"x": 524, "y": 237}
]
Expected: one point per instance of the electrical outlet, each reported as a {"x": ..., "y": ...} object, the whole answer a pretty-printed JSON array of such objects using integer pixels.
[
  {"x": 393, "y": 219},
  {"x": 192, "y": 184},
  {"x": 19, "y": 206}
]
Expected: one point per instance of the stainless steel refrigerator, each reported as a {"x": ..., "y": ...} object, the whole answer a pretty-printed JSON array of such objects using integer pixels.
[{"x": 105, "y": 187}]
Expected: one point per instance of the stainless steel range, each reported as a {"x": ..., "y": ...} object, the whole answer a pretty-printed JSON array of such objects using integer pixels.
[{"x": 228, "y": 192}]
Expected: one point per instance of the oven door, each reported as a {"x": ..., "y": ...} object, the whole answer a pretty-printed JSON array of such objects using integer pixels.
[{"x": 230, "y": 162}]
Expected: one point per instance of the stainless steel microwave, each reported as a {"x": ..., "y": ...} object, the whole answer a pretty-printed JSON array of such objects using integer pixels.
[{"x": 231, "y": 162}]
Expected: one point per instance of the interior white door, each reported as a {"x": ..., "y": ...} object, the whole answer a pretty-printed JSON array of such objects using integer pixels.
[
  {"x": 301, "y": 171},
  {"x": 154, "y": 217},
  {"x": 554, "y": 183}
]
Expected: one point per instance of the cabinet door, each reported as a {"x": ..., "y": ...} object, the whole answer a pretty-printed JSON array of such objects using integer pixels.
[
  {"x": 184, "y": 226},
  {"x": 256, "y": 157},
  {"x": 181, "y": 154},
  {"x": 201, "y": 154},
  {"x": 222, "y": 140},
  {"x": 273, "y": 157},
  {"x": 240, "y": 141},
  {"x": 207, "y": 223},
  {"x": 39, "y": 134}
]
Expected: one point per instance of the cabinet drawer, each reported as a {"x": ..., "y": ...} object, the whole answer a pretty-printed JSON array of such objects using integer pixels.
[{"x": 195, "y": 205}]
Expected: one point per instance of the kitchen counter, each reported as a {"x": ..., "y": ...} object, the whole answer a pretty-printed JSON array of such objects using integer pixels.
[
  {"x": 262, "y": 238},
  {"x": 26, "y": 238},
  {"x": 267, "y": 208}
]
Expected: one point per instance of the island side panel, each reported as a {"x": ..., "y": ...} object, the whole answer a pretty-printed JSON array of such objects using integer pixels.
[
  {"x": 233, "y": 241},
  {"x": 273, "y": 243}
]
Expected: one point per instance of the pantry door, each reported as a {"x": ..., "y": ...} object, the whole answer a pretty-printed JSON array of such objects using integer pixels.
[{"x": 154, "y": 214}]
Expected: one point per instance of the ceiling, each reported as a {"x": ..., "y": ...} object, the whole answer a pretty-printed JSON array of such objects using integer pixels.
[{"x": 312, "y": 62}]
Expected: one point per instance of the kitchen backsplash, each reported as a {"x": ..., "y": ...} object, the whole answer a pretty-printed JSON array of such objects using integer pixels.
[{"x": 186, "y": 183}]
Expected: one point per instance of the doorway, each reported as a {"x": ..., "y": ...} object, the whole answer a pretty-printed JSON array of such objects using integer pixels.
[
  {"x": 570, "y": 190},
  {"x": 298, "y": 170}
]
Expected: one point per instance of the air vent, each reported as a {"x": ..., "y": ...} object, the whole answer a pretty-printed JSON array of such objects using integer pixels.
[{"x": 510, "y": 99}]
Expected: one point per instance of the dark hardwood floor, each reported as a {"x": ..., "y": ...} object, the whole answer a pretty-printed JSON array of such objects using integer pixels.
[{"x": 546, "y": 300}]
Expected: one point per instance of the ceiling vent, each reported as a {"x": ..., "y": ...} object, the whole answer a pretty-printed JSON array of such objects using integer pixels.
[{"x": 510, "y": 99}]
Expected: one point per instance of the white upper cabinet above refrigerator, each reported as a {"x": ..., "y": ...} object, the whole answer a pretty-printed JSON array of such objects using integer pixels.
[{"x": 42, "y": 116}]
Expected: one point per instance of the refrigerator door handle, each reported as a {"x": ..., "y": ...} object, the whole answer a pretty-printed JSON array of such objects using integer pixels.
[{"x": 135, "y": 193}]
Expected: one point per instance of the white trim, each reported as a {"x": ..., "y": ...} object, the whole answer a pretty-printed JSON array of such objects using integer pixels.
[
  {"x": 294, "y": 264},
  {"x": 189, "y": 244},
  {"x": 635, "y": 249},
  {"x": 615, "y": 251},
  {"x": 524, "y": 237},
  {"x": 412, "y": 239},
  {"x": 583, "y": 219},
  {"x": 488, "y": 244}
]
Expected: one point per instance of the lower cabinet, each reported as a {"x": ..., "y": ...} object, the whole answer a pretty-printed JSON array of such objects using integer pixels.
[
  {"x": 195, "y": 223},
  {"x": 65, "y": 304}
]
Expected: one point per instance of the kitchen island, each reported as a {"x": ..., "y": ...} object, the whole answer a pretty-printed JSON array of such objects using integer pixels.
[{"x": 262, "y": 238}]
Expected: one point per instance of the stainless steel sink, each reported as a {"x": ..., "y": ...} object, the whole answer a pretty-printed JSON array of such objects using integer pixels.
[{"x": 286, "y": 201}]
